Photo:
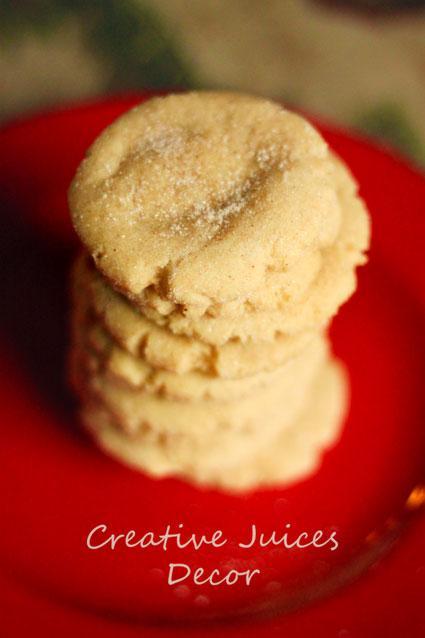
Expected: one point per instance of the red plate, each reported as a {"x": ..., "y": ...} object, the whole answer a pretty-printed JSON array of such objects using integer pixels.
[{"x": 57, "y": 486}]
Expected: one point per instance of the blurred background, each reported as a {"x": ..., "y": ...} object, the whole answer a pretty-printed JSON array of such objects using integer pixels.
[{"x": 359, "y": 63}]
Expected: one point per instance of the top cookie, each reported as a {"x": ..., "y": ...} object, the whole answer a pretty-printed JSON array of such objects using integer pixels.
[{"x": 198, "y": 196}]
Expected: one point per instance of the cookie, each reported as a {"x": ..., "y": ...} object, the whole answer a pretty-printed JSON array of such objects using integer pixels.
[
  {"x": 198, "y": 196},
  {"x": 274, "y": 404},
  {"x": 178, "y": 353},
  {"x": 334, "y": 284},
  {"x": 277, "y": 289},
  {"x": 290, "y": 454},
  {"x": 99, "y": 351},
  {"x": 282, "y": 291}
]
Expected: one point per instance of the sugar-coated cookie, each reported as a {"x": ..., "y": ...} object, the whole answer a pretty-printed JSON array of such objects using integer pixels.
[
  {"x": 334, "y": 284},
  {"x": 199, "y": 196}
]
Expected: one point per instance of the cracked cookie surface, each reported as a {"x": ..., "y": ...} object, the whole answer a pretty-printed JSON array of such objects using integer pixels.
[{"x": 194, "y": 199}]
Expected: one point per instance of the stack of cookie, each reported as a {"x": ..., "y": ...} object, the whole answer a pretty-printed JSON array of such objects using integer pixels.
[{"x": 221, "y": 235}]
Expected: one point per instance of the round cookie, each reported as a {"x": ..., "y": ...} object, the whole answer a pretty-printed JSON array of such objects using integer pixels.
[
  {"x": 282, "y": 291},
  {"x": 273, "y": 405},
  {"x": 291, "y": 454},
  {"x": 277, "y": 289},
  {"x": 198, "y": 196},
  {"x": 178, "y": 353},
  {"x": 334, "y": 284},
  {"x": 100, "y": 352}
]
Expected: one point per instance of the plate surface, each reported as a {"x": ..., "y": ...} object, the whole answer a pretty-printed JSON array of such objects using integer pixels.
[{"x": 57, "y": 486}]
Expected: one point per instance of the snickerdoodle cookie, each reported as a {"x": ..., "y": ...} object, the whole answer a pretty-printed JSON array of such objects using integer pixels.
[
  {"x": 99, "y": 351},
  {"x": 333, "y": 284},
  {"x": 245, "y": 461},
  {"x": 136, "y": 409},
  {"x": 198, "y": 197},
  {"x": 163, "y": 349}
]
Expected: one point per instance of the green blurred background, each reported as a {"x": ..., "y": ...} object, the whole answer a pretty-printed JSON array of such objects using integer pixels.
[{"x": 359, "y": 63}]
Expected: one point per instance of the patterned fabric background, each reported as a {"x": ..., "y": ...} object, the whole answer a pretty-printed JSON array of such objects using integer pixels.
[{"x": 358, "y": 63}]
